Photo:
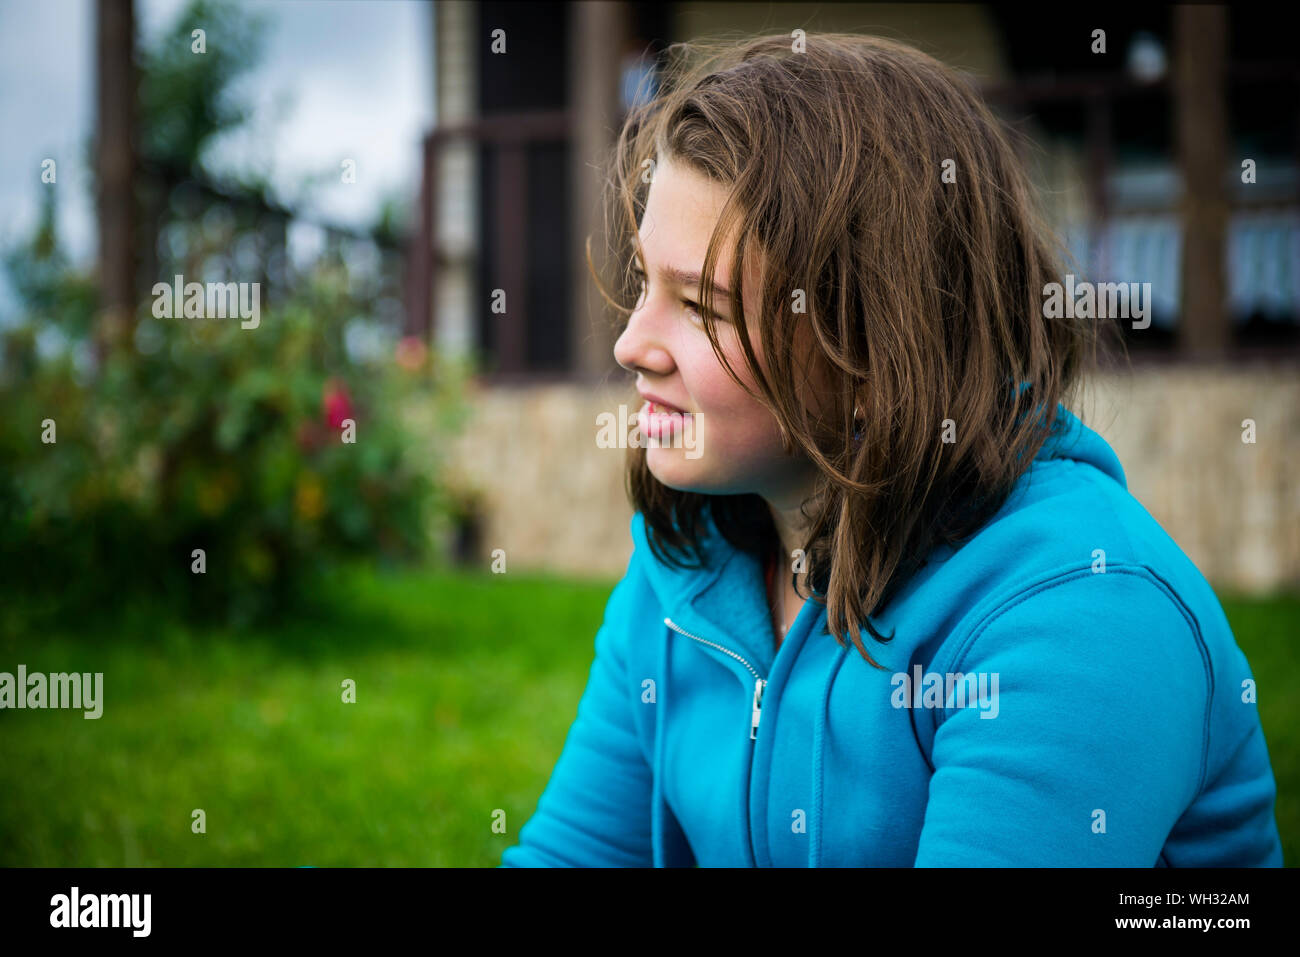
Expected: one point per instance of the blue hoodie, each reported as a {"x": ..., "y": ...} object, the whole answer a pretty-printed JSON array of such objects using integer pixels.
[{"x": 1106, "y": 717}]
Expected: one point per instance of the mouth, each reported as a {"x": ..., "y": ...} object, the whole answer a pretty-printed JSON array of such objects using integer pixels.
[
  {"x": 661, "y": 408},
  {"x": 658, "y": 420},
  {"x": 653, "y": 404}
]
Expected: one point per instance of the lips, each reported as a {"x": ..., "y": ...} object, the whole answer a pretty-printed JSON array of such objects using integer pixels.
[{"x": 658, "y": 404}]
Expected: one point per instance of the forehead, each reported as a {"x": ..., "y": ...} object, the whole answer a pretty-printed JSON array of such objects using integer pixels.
[{"x": 682, "y": 210}]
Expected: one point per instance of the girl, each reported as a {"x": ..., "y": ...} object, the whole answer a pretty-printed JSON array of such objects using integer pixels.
[{"x": 898, "y": 608}]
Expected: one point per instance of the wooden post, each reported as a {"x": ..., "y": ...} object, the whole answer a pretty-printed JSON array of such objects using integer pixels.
[
  {"x": 1099, "y": 165},
  {"x": 599, "y": 38},
  {"x": 115, "y": 163},
  {"x": 421, "y": 268},
  {"x": 510, "y": 329},
  {"x": 1200, "y": 43}
]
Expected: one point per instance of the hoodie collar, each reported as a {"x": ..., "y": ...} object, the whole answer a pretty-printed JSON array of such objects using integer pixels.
[
  {"x": 723, "y": 601},
  {"x": 1071, "y": 439}
]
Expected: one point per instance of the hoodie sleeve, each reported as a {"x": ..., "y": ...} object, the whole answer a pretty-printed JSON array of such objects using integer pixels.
[
  {"x": 595, "y": 810},
  {"x": 1093, "y": 742}
]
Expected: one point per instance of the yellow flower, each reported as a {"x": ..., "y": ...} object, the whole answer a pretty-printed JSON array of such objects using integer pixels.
[
  {"x": 258, "y": 561},
  {"x": 215, "y": 493},
  {"x": 309, "y": 497}
]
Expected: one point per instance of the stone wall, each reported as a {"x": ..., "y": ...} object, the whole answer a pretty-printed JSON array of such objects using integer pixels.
[
  {"x": 554, "y": 501},
  {"x": 1233, "y": 507}
]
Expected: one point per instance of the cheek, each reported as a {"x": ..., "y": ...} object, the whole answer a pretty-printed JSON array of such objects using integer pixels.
[{"x": 738, "y": 426}]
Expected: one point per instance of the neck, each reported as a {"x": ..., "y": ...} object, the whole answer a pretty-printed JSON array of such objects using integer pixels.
[
  {"x": 791, "y": 529},
  {"x": 786, "y": 505}
]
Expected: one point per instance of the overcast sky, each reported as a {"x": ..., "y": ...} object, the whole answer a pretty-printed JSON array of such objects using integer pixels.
[{"x": 338, "y": 78}]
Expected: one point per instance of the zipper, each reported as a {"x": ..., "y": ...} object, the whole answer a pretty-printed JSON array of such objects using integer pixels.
[
  {"x": 760, "y": 684},
  {"x": 756, "y": 715}
]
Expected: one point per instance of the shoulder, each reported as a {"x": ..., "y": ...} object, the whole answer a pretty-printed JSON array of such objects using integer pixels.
[
  {"x": 632, "y": 602},
  {"x": 1086, "y": 609},
  {"x": 1115, "y": 656},
  {"x": 1073, "y": 551},
  {"x": 1079, "y": 614},
  {"x": 1076, "y": 580}
]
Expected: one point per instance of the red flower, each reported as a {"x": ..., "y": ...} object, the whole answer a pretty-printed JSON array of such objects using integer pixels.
[{"x": 338, "y": 406}]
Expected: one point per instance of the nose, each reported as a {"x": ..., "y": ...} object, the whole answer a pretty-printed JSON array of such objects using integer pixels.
[{"x": 640, "y": 347}]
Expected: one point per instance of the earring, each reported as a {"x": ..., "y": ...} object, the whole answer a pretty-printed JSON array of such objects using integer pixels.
[{"x": 857, "y": 417}]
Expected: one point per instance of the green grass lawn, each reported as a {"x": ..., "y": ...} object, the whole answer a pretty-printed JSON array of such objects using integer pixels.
[{"x": 465, "y": 687}]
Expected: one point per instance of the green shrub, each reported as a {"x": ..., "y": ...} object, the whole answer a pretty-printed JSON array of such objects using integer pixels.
[{"x": 199, "y": 434}]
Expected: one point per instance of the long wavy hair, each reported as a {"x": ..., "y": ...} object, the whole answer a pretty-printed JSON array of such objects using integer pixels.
[{"x": 871, "y": 177}]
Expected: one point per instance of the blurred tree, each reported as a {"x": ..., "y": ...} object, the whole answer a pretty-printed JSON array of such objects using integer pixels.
[
  {"x": 186, "y": 97},
  {"x": 188, "y": 102},
  {"x": 197, "y": 434}
]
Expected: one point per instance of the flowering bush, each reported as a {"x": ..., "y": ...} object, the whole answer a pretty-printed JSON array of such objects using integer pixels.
[{"x": 267, "y": 449}]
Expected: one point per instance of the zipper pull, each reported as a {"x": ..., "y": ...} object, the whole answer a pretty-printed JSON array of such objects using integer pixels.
[{"x": 759, "y": 685}]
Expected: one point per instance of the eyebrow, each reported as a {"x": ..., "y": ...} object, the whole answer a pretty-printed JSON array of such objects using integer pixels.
[{"x": 684, "y": 277}]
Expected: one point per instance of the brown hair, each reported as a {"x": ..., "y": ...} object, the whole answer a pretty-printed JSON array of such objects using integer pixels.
[{"x": 923, "y": 297}]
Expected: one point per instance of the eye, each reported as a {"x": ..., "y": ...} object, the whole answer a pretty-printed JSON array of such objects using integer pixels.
[{"x": 693, "y": 307}]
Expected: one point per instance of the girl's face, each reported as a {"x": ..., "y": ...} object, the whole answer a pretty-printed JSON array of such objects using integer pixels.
[{"x": 737, "y": 441}]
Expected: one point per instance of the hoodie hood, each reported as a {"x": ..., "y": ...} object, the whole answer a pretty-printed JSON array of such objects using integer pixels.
[{"x": 1071, "y": 439}]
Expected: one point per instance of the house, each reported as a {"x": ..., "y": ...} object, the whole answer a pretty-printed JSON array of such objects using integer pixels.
[{"x": 1135, "y": 135}]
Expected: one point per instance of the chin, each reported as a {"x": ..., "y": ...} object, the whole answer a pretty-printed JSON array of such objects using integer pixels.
[{"x": 673, "y": 469}]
